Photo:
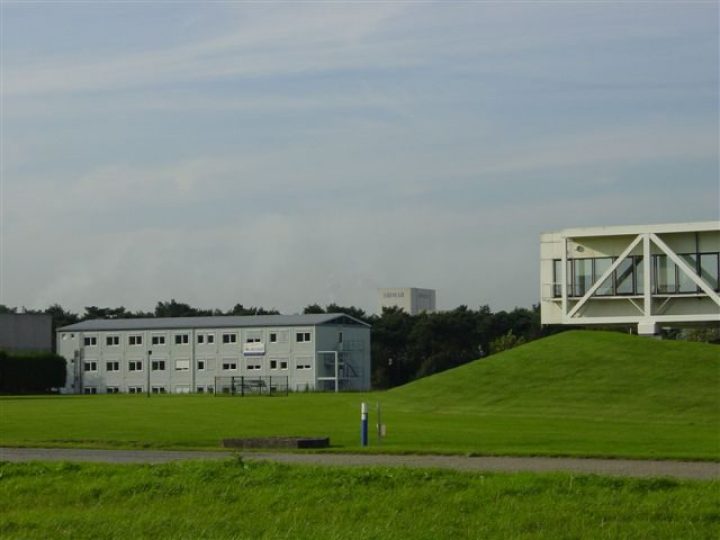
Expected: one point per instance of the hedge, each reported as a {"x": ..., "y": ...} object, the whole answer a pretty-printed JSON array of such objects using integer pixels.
[{"x": 31, "y": 373}]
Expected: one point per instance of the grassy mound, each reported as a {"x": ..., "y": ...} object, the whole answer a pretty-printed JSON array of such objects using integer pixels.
[{"x": 602, "y": 374}]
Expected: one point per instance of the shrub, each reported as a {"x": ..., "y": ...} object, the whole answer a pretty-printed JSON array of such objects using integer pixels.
[{"x": 31, "y": 373}]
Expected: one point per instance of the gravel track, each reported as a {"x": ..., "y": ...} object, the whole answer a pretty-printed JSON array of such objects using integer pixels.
[{"x": 699, "y": 470}]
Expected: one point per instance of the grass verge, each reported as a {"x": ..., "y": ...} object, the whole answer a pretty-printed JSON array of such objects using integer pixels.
[{"x": 236, "y": 499}]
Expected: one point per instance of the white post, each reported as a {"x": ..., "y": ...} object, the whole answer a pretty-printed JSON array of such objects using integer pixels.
[
  {"x": 363, "y": 424},
  {"x": 379, "y": 422},
  {"x": 564, "y": 276},
  {"x": 337, "y": 381},
  {"x": 647, "y": 261}
]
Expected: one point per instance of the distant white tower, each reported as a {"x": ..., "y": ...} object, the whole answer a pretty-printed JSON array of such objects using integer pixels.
[{"x": 410, "y": 299}]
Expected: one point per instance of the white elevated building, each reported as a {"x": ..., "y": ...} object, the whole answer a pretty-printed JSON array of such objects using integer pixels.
[
  {"x": 649, "y": 275},
  {"x": 410, "y": 299},
  {"x": 208, "y": 354}
]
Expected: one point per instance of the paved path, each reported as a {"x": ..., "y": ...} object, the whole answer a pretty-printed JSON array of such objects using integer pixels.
[{"x": 613, "y": 467}]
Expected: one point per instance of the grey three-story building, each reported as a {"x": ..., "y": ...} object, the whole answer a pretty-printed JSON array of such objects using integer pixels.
[{"x": 194, "y": 354}]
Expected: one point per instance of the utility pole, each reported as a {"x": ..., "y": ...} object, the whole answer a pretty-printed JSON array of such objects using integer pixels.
[{"x": 147, "y": 367}]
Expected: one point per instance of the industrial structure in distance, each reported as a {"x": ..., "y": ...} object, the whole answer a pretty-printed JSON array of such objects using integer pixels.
[
  {"x": 651, "y": 275},
  {"x": 25, "y": 332},
  {"x": 410, "y": 299},
  {"x": 216, "y": 354}
]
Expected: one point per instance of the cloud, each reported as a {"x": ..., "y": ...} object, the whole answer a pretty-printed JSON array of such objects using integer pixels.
[{"x": 287, "y": 41}]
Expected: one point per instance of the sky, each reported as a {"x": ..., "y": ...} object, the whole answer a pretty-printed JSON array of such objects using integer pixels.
[{"x": 284, "y": 154}]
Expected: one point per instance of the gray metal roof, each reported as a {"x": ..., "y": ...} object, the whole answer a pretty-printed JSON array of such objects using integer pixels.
[{"x": 177, "y": 323}]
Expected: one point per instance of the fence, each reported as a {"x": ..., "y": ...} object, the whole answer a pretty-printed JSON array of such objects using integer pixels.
[{"x": 251, "y": 386}]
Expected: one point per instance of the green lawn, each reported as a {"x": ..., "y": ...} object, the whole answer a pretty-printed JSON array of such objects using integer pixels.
[
  {"x": 577, "y": 393},
  {"x": 239, "y": 500}
]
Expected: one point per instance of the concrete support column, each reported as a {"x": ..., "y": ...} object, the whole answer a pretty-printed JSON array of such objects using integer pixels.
[{"x": 648, "y": 328}]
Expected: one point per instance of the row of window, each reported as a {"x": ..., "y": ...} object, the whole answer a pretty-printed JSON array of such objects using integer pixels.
[
  {"x": 153, "y": 389},
  {"x": 665, "y": 276},
  {"x": 202, "y": 339},
  {"x": 130, "y": 390},
  {"x": 91, "y": 366}
]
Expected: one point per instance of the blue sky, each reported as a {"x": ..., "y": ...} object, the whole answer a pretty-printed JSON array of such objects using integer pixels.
[{"x": 280, "y": 154}]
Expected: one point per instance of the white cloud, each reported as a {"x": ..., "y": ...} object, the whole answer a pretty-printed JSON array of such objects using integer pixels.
[{"x": 287, "y": 41}]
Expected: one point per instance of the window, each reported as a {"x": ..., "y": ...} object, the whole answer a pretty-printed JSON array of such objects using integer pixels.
[
  {"x": 670, "y": 279},
  {"x": 90, "y": 341},
  {"x": 624, "y": 277},
  {"x": 273, "y": 364},
  {"x": 601, "y": 265},
  {"x": 158, "y": 340},
  {"x": 340, "y": 337},
  {"x": 629, "y": 276},
  {"x": 303, "y": 363},
  {"x": 685, "y": 283},
  {"x": 709, "y": 269},
  {"x": 206, "y": 338},
  {"x": 664, "y": 274},
  {"x": 253, "y": 367},
  {"x": 159, "y": 390},
  {"x": 112, "y": 341},
  {"x": 89, "y": 390},
  {"x": 135, "y": 389},
  {"x": 582, "y": 276},
  {"x": 90, "y": 366},
  {"x": 182, "y": 339},
  {"x": 201, "y": 365},
  {"x": 253, "y": 340},
  {"x": 229, "y": 365},
  {"x": 557, "y": 278},
  {"x": 200, "y": 389},
  {"x": 229, "y": 338},
  {"x": 302, "y": 337},
  {"x": 135, "y": 365},
  {"x": 283, "y": 365},
  {"x": 627, "y": 279},
  {"x": 112, "y": 366},
  {"x": 182, "y": 365},
  {"x": 158, "y": 365},
  {"x": 279, "y": 336},
  {"x": 112, "y": 390},
  {"x": 135, "y": 339}
]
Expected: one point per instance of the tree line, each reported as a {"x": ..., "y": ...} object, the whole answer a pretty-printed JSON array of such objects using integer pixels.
[{"x": 404, "y": 347}]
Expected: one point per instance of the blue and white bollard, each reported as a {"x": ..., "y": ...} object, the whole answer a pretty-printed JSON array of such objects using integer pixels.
[{"x": 363, "y": 424}]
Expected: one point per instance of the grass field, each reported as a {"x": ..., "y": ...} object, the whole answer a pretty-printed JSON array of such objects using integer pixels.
[
  {"x": 238, "y": 500},
  {"x": 577, "y": 393}
]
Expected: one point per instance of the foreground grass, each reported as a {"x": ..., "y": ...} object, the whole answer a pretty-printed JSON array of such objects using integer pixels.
[
  {"x": 233, "y": 499},
  {"x": 575, "y": 394}
]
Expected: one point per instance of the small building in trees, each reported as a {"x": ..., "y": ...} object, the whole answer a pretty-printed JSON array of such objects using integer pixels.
[
  {"x": 410, "y": 299},
  {"x": 649, "y": 275},
  {"x": 329, "y": 351}
]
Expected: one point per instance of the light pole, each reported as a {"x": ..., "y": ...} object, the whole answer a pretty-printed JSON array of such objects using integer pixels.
[{"x": 147, "y": 367}]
